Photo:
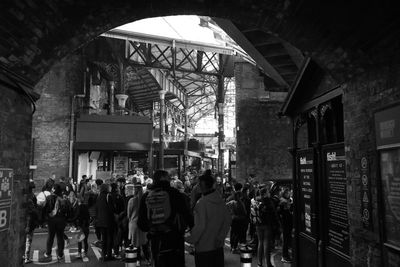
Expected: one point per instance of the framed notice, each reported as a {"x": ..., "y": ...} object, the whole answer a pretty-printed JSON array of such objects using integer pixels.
[
  {"x": 337, "y": 219},
  {"x": 305, "y": 176},
  {"x": 121, "y": 165},
  {"x": 6, "y": 182}
]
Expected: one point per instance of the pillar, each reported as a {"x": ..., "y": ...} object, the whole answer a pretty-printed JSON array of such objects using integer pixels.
[
  {"x": 186, "y": 138},
  {"x": 221, "y": 135},
  {"x": 162, "y": 130}
]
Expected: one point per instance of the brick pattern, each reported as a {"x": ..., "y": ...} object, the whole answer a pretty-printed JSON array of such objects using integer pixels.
[
  {"x": 263, "y": 137},
  {"x": 51, "y": 121},
  {"x": 15, "y": 136},
  {"x": 362, "y": 96}
]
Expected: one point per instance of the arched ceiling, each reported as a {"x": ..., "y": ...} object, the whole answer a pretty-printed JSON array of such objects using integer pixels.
[{"x": 342, "y": 37}]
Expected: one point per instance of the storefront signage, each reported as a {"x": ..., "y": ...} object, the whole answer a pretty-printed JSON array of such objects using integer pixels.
[
  {"x": 338, "y": 227},
  {"x": 366, "y": 201},
  {"x": 305, "y": 174},
  {"x": 6, "y": 182}
]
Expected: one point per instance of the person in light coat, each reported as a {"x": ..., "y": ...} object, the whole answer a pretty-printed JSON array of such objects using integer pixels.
[
  {"x": 212, "y": 220},
  {"x": 136, "y": 236}
]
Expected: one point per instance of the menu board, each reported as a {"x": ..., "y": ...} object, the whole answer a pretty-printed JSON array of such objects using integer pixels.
[
  {"x": 305, "y": 161},
  {"x": 121, "y": 165},
  {"x": 390, "y": 175},
  {"x": 338, "y": 226}
]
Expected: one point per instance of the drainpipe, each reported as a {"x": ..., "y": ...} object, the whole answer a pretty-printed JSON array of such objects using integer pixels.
[{"x": 72, "y": 121}]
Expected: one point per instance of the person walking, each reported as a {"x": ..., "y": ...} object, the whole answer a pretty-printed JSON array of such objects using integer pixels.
[
  {"x": 266, "y": 220},
  {"x": 119, "y": 214},
  {"x": 239, "y": 219},
  {"x": 136, "y": 236},
  {"x": 105, "y": 221},
  {"x": 32, "y": 220},
  {"x": 285, "y": 215},
  {"x": 57, "y": 210},
  {"x": 211, "y": 225},
  {"x": 80, "y": 217},
  {"x": 158, "y": 211}
]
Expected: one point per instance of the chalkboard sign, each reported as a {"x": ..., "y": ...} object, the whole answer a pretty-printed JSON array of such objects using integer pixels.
[
  {"x": 305, "y": 174},
  {"x": 338, "y": 226},
  {"x": 6, "y": 182}
]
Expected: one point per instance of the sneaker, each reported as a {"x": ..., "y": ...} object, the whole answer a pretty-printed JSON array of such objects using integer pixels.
[
  {"x": 27, "y": 260},
  {"x": 60, "y": 258},
  {"x": 46, "y": 255},
  {"x": 117, "y": 256}
]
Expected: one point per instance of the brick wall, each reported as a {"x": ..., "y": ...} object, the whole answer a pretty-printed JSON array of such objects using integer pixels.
[
  {"x": 263, "y": 137},
  {"x": 15, "y": 145},
  {"x": 51, "y": 122},
  {"x": 376, "y": 89}
]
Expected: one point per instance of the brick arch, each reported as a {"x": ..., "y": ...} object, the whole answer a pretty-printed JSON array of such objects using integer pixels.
[{"x": 337, "y": 37}]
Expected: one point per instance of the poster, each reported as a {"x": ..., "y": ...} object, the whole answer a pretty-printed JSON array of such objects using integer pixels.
[
  {"x": 305, "y": 161},
  {"x": 121, "y": 165},
  {"x": 6, "y": 182},
  {"x": 338, "y": 225}
]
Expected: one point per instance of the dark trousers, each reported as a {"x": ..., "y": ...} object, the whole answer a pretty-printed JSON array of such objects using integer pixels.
[
  {"x": 97, "y": 233},
  {"x": 107, "y": 241},
  {"x": 287, "y": 237},
  {"x": 238, "y": 232},
  {"x": 265, "y": 240},
  {"x": 55, "y": 227},
  {"x": 168, "y": 249},
  {"x": 117, "y": 238},
  {"x": 213, "y": 258},
  {"x": 85, "y": 230}
]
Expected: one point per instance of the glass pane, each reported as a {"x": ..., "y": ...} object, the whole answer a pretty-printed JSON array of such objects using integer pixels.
[{"x": 390, "y": 175}]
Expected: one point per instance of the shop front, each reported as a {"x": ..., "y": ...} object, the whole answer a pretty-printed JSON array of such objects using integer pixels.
[{"x": 112, "y": 146}]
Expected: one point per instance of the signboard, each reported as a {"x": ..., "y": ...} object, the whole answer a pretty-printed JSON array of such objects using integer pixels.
[
  {"x": 305, "y": 162},
  {"x": 387, "y": 127},
  {"x": 366, "y": 198},
  {"x": 338, "y": 225},
  {"x": 390, "y": 175},
  {"x": 6, "y": 182},
  {"x": 121, "y": 165}
]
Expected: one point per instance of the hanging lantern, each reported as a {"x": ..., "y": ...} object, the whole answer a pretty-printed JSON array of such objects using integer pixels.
[{"x": 121, "y": 99}]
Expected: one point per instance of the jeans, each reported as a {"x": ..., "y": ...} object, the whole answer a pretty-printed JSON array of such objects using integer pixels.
[
  {"x": 28, "y": 243},
  {"x": 56, "y": 226},
  {"x": 213, "y": 258},
  {"x": 168, "y": 249},
  {"x": 265, "y": 239},
  {"x": 85, "y": 230}
]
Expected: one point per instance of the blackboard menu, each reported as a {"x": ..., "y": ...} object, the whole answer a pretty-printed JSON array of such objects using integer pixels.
[
  {"x": 305, "y": 161},
  {"x": 390, "y": 175},
  {"x": 338, "y": 226}
]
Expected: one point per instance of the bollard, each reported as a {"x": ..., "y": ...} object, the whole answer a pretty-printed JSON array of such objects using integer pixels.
[
  {"x": 246, "y": 257},
  {"x": 131, "y": 257}
]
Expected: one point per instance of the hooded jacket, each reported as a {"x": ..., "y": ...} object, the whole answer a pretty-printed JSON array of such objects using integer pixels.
[{"x": 211, "y": 223}]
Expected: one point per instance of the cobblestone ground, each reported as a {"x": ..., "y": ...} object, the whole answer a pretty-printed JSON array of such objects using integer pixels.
[{"x": 71, "y": 252}]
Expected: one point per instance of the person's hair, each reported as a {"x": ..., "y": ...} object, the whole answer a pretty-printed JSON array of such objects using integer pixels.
[
  {"x": 57, "y": 189},
  {"x": 84, "y": 176},
  {"x": 238, "y": 186},
  {"x": 207, "y": 179},
  {"x": 62, "y": 178},
  {"x": 160, "y": 174},
  {"x": 104, "y": 188},
  {"x": 114, "y": 187},
  {"x": 252, "y": 175}
]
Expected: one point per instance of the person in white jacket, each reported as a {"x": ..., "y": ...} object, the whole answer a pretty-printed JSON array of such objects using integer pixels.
[{"x": 211, "y": 225}]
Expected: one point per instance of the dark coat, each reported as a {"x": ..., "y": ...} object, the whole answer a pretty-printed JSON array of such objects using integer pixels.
[
  {"x": 104, "y": 211},
  {"x": 178, "y": 205},
  {"x": 80, "y": 215}
]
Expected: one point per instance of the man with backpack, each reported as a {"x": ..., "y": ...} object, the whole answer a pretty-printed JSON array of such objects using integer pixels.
[
  {"x": 56, "y": 210},
  {"x": 159, "y": 210}
]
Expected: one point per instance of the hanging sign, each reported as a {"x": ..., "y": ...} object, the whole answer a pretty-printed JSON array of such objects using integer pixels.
[{"x": 6, "y": 182}]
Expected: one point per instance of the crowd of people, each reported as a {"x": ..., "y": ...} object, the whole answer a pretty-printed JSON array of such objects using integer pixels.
[{"x": 157, "y": 215}]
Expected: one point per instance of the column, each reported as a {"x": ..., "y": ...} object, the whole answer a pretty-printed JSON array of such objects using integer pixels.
[
  {"x": 162, "y": 130},
  {"x": 221, "y": 135},
  {"x": 185, "y": 148}
]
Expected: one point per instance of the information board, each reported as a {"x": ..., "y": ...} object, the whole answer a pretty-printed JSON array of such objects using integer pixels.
[
  {"x": 6, "y": 182},
  {"x": 338, "y": 225},
  {"x": 305, "y": 174}
]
